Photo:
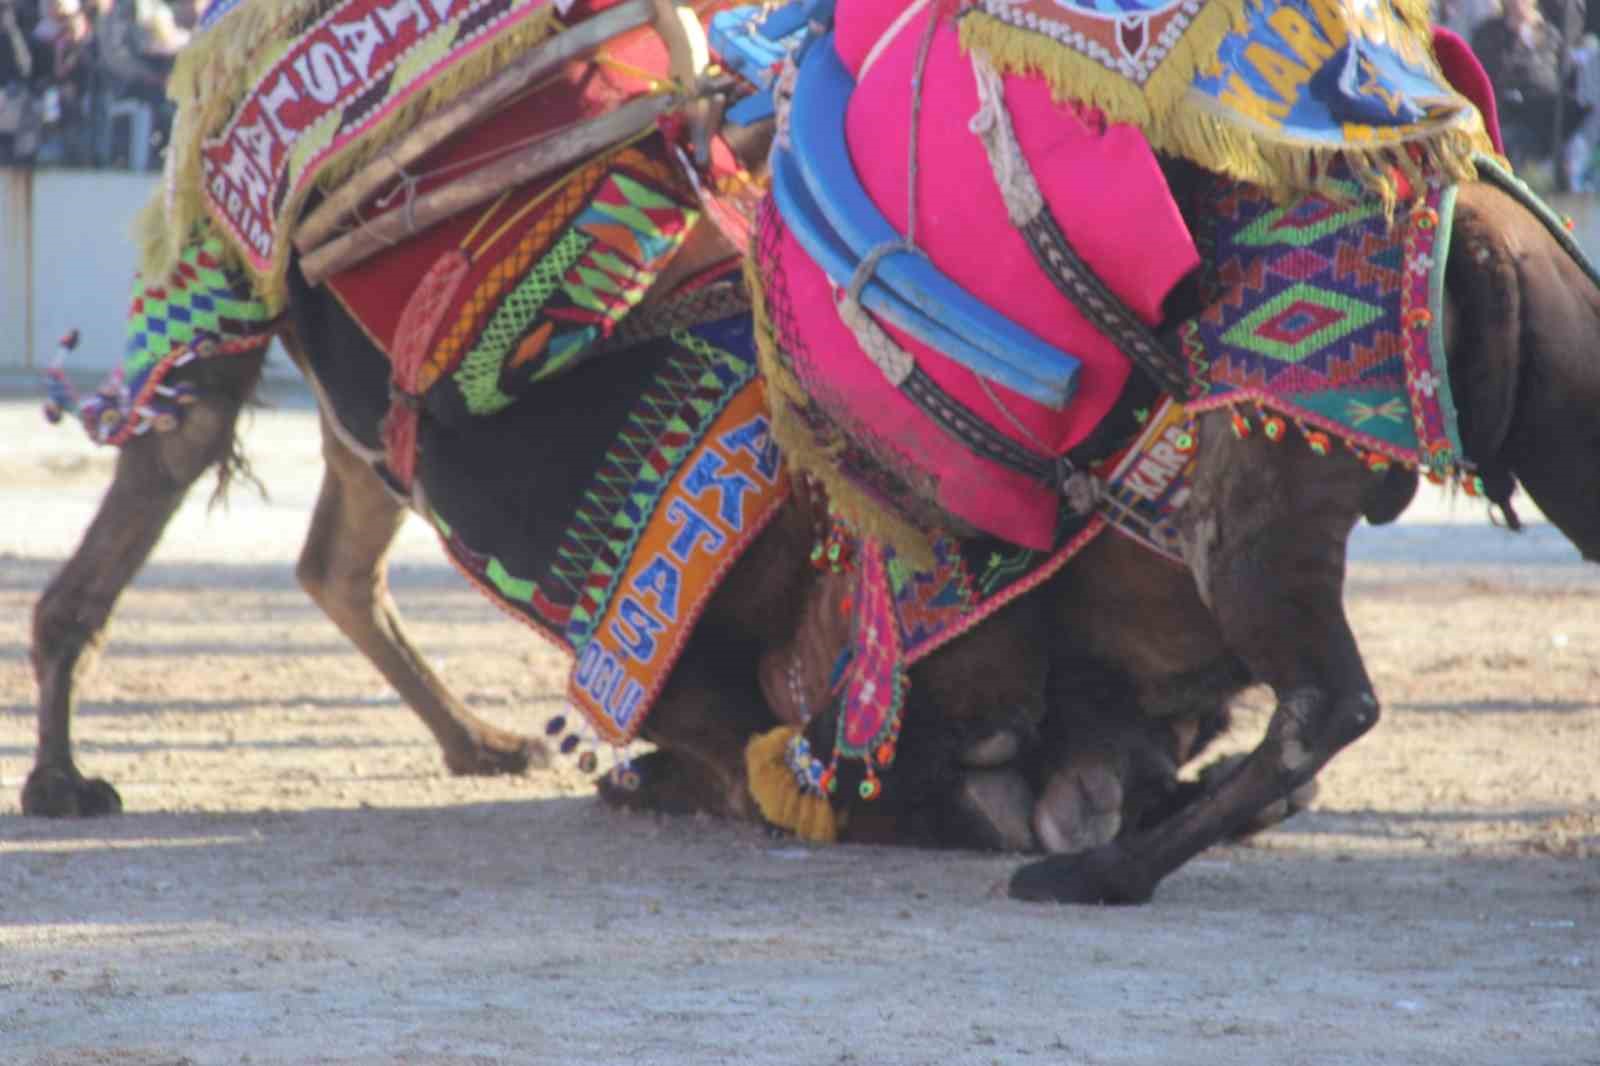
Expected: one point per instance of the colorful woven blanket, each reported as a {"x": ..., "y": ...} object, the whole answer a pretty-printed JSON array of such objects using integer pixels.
[
  {"x": 1264, "y": 91},
  {"x": 662, "y": 471},
  {"x": 500, "y": 298},
  {"x": 278, "y": 95},
  {"x": 201, "y": 310},
  {"x": 1326, "y": 311}
]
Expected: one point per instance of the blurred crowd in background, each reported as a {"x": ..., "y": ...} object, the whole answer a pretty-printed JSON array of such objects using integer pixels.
[
  {"x": 81, "y": 81},
  {"x": 1543, "y": 57}
]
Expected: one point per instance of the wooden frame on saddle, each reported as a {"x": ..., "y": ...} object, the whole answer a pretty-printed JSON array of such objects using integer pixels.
[{"x": 327, "y": 247}]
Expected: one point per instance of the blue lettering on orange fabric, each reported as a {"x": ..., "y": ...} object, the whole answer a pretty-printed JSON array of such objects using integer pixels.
[
  {"x": 755, "y": 438},
  {"x": 693, "y": 529},
  {"x": 730, "y": 488},
  {"x": 635, "y": 629},
  {"x": 663, "y": 579}
]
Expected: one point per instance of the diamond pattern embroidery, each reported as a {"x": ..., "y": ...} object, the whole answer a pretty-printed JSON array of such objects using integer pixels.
[{"x": 1299, "y": 322}]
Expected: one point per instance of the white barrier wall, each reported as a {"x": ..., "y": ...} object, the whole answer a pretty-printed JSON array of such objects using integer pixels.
[
  {"x": 67, "y": 259},
  {"x": 69, "y": 262}
]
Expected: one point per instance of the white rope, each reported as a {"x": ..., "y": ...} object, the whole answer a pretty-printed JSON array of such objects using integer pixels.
[{"x": 992, "y": 125}]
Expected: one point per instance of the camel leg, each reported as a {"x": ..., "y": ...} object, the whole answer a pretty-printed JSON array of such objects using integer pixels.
[
  {"x": 1265, "y": 536},
  {"x": 343, "y": 569},
  {"x": 153, "y": 474}
]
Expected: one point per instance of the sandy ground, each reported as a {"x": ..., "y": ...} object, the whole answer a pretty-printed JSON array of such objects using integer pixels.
[{"x": 296, "y": 880}]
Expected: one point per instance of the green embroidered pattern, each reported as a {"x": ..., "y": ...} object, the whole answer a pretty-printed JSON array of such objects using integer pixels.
[{"x": 478, "y": 376}]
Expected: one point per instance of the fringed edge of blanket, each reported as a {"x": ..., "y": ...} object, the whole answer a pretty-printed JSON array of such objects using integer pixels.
[
  {"x": 1289, "y": 169},
  {"x": 803, "y": 452},
  {"x": 216, "y": 71},
  {"x": 1285, "y": 168},
  {"x": 1073, "y": 76}
]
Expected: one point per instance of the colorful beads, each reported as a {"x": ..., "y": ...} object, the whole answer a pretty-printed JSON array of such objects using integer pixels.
[
  {"x": 1427, "y": 218},
  {"x": 870, "y": 788},
  {"x": 1418, "y": 318},
  {"x": 1240, "y": 424},
  {"x": 1273, "y": 428},
  {"x": 1377, "y": 463},
  {"x": 1318, "y": 442}
]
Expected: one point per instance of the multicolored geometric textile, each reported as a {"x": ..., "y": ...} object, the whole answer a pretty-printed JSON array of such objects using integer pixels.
[
  {"x": 903, "y": 613},
  {"x": 1145, "y": 486},
  {"x": 511, "y": 294},
  {"x": 1325, "y": 311},
  {"x": 655, "y": 492},
  {"x": 1266, "y": 92},
  {"x": 200, "y": 311},
  {"x": 322, "y": 86}
]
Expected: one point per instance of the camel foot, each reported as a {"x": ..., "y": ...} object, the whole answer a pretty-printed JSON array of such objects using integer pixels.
[
  {"x": 492, "y": 752},
  {"x": 1081, "y": 807},
  {"x": 51, "y": 792},
  {"x": 662, "y": 782},
  {"x": 1096, "y": 876},
  {"x": 993, "y": 808}
]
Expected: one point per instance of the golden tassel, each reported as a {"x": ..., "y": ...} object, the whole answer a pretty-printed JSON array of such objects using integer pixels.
[{"x": 778, "y": 794}]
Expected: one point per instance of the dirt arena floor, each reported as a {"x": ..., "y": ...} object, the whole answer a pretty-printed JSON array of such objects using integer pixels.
[{"x": 296, "y": 879}]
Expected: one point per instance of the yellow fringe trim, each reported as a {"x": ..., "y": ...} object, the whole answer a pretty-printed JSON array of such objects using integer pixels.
[
  {"x": 1074, "y": 76},
  {"x": 1180, "y": 124},
  {"x": 802, "y": 451},
  {"x": 777, "y": 793},
  {"x": 1288, "y": 169},
  {"x": 215, "y": 73}
]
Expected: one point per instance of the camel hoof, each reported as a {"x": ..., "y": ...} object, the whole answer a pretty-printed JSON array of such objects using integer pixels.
[
  {"x": 664, "y": 783},
  {"x": 1097, "y": 876},
  {"x": 1081, "y": 808},
  {"x": 996, "y": 749},
  {"x": 496, "y": 754},
  {"x": 994, "y": 806},
  {"x": 50, "y": 792}
]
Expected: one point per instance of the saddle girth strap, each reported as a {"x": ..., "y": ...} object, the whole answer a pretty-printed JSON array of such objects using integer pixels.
[
  {"x": 1078, "y": 282},
  {"x": 1066, "y": 269}
]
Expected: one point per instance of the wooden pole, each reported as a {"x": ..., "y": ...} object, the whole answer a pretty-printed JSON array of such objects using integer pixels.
[
  {"x": 575, "y": 42},
  {"x": 535, "y": 161}
]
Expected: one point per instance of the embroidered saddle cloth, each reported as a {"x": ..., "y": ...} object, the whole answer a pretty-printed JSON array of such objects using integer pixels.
[{"x": 606, "y": 507}]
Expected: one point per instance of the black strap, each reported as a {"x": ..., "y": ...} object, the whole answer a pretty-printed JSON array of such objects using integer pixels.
[{"x": 1079, "y": 283}]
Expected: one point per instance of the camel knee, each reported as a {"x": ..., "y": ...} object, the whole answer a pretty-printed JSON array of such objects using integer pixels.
[
  {"x": 65, "y": 626},
  {"x": 1310, "y": 725}
]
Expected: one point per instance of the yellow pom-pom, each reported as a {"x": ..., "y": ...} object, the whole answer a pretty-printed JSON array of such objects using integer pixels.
[{"x": 778, "y": 794}]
